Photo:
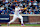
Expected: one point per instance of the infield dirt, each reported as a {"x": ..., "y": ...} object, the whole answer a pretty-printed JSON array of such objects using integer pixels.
[{"x": 19, "y": 26}]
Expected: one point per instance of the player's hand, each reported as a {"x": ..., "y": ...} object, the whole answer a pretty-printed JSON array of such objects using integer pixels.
[{"x": 25, "y": 8}]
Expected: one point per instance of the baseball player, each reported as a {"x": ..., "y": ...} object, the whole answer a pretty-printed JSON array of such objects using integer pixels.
[{"x": 17, "y": 15}]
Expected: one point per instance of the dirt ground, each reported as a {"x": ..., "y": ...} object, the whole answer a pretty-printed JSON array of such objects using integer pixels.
[{"x": 19, "y": 26}]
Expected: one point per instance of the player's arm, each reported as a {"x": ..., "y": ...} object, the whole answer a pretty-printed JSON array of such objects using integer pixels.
[{"x": 22, "y": 8}]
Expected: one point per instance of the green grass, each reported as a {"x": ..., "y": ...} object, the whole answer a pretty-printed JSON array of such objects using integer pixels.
[
  {"x": 32, "y": 24},
  {"x": 20, "y": 24}
]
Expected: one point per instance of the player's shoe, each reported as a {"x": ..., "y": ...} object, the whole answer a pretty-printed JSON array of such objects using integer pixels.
[
  {"x": 0, "y": 24},
  {"x": 8, "y": 24},
  {"x": 22, "y": 24}
]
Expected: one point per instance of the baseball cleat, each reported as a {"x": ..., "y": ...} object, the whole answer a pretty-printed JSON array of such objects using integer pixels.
[
  {"x": 7, "y": 24},
  {"x": 0, "y": 24}
]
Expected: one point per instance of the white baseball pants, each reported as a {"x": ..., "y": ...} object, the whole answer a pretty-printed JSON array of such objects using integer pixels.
[{"x": 15, "y": 17}]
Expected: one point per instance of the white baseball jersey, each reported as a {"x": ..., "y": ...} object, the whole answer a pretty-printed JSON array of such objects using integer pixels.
[{"x": 17, "y": 11}]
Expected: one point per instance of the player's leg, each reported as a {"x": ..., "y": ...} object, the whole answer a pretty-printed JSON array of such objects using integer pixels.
[
  {"x": 21, "y": 19},
  {"x": 14, "y": 18}
]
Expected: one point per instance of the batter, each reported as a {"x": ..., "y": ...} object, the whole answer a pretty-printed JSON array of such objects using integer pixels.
[{"x": 17, "y": 15}]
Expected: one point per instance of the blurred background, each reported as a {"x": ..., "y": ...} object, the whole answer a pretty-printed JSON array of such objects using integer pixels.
[{"x": 8, "y": 7}]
